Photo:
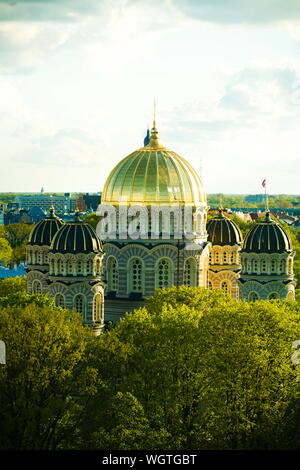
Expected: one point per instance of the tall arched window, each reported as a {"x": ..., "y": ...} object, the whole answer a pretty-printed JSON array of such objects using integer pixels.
[
  {"x": 97, "y": 308},
  {"x": 273, "y": 266},
  {"x": 209, "y": 284},
  {"x": 69, "y": 267},
  {"x": 224, "y": 257},
  {"x": 98, "y": 266},
  {"x": 164, "y": 273},
  {"x": 274, "y": 295},
  {"x": 210, "y": 257},
  {"x": 59, "y": 300},
  {"x": 136, "y": 275},
  {"x": 40, "y": 257},
  {"x": 59, "y": 266},
  {"x": 254, "y": 265},
  {"x": 190, "y": 273},
  {"x": 89, "y": 266},
  {"x": 232, "y": 257},
  {"x": 282, "y": 266},
  {"x": 290, "y": 266},
  {"x": 36, "y": 287},
  {"x": 217, "y": 258},
  {"x": 263, "y": 266},
  {"x": 225, "y": 286},
  {"x": 79, "y": 267},
  {"x": 112, "y": 274},
  {"x": 79, "y": 303},
  {"x": 253, "y": 296}
]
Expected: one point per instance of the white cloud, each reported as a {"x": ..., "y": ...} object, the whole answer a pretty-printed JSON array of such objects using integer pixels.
[{"x": 64, "y": 148}]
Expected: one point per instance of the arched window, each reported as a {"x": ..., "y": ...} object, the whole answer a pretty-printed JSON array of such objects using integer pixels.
[
  {"x": 136, "y": 275},
  {"x": 98, "y": 266},
  {"x": 190, "y": 273},
  {"x": 79, "y": 267},
  {"x": 69, "y": 267},
  {"x": 263, "y": 266},
  {"x": 224, "y": 257},
  {"x": 97, "y": 308},
  {"x": 112, "y": 274},
  {"x": 36, "y": 287},
  {"x": 59, "y": 266},
  {"x": 210, "y": 257},
  {"x": 282, "y": 266},
  {"x": 273, "y": 266},
  {"x": 89, "y": 266},
  {"x": 29, "y": 256},
  {"x": 232, "y": 257},
  {"x": 217, "y": 259},
  {"x": 253, "y": 296},
  {"x": 46, "y": 258},
  {"x": 254, "y": 266},
  {"x": 59, "y": 300},
  {"x": 290, "y": 296},
  {"x": 274, "y": 295},
  {"x": 225, "y": 286},
  {"x": 290, "y": 266},
  {"x": 52, "y": 266},
  {"x": 209, "y": 285},
  {"x": 164, "y": 273},
  {"x": 40, "y": 257},
  {"x": 79, "y": 303}
]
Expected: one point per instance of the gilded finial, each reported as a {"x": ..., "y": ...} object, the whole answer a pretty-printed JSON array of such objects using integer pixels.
[{"x": 154, "y": 142}]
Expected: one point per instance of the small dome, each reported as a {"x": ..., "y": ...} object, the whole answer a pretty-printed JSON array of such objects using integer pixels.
[
  {"x": 267, "y": 236},
  {"x": 153, "y": 175},
  {"x": 223, "y": 231},
  {"x": 45, "y": 229},
  {"x": 76, "y": 236}
]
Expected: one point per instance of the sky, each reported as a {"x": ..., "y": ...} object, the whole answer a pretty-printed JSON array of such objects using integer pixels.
[{"x": 78, "y": 79}]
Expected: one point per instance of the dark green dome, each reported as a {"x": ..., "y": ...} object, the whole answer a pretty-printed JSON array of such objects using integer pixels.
[
  {"x": 267, "y": 236},
  {"x": 76, "y": 237},
  {"x": 45, "y": 229},
  {"x": 223, "y": 231}
]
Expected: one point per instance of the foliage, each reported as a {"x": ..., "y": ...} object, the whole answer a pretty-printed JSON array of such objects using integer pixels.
[
  {"x": 5, "y": 251},
  {"x": 47, "y": 379},
  {"x": 17, "y": 236},
  {"x": 206, "y": 372},
  {"x": 13, "y": 293},
  {"x": 92, "y": 219}
]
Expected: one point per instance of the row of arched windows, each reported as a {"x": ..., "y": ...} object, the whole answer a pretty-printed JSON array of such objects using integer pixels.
[
  {"x": 253, "y": 296},
  {"x": 267, "y": 266},
  {"x": 164, "y": 274},
  {"x": 78, "y": 267},
  {"x": 223, "y": 257},
  {"x": 37, "y": 257},
  {"x": 225, "y": 286},
  {"x": 80, "y": 303}
]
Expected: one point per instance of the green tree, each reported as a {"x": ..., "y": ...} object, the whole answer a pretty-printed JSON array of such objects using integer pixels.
[
  {"x": 5, "y": 251},
  {"x": 17, "y": 236},
  {"x": 92, "y": 219},
  {"x": 13, "y": 293},
  {"x": 47, "y": 379},
  {"x": 207, "y": 371}
]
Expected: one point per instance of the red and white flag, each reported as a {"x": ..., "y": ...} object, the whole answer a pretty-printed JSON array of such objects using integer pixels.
[{"x": 264, "y": 183}]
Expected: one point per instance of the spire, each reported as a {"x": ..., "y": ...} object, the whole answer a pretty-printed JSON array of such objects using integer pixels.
[{"x": 154, "y": 141}]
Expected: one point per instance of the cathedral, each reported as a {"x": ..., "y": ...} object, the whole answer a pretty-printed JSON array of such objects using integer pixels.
[{"x": 106, "y": 275}]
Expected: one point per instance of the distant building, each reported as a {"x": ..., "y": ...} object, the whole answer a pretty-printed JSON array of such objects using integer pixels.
[{"x": 61, "y": 203}]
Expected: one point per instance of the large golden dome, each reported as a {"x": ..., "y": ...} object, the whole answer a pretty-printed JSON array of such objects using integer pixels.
[{"x": 153, "y": 175}]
